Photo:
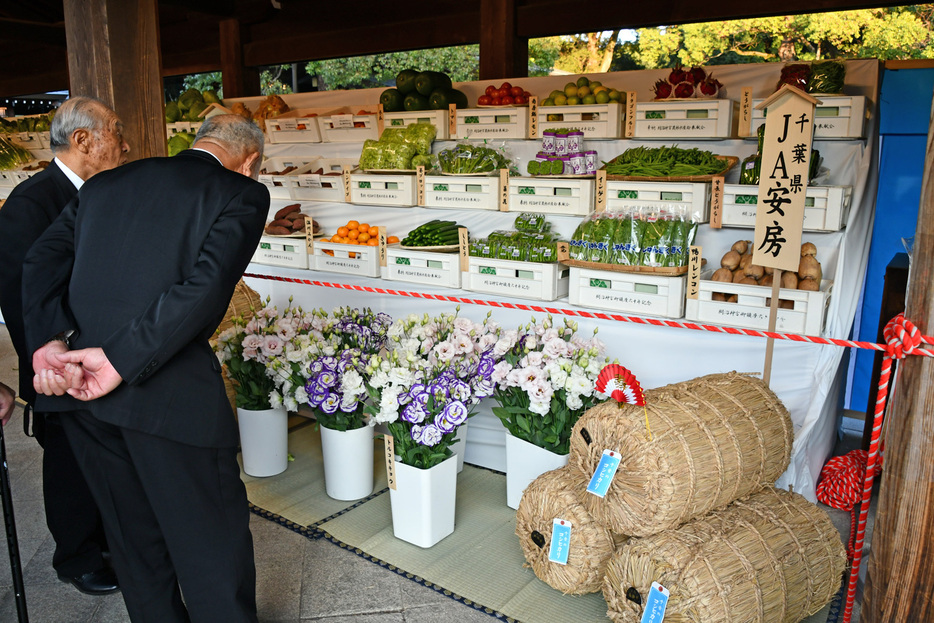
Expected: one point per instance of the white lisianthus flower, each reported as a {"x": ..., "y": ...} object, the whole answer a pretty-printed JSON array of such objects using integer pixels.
[
  {"x": 352, "y": 384},
  {"x": 540, "y": 391},
  {"x": 574, "y": 402},
  {"x": 535, "y": 359},
  {"x": 400, "y": 376},
  {"x": 529, "y": 376},
  {"x": 514, "y": 378},
  {"x": 541, "y": 408},
  {"x": 275, "y": 399},
  {"x": 578, "y": 384},
  {"x": 551, "y": 334},
  {"x": 555, "y": 348},
  {"x": 531, "y": 342},
  {"x": 300, "y": 395},
  {"x": 379, "y": 378},
  {"x": 502, "y": 346},
  {"x": 486, "y": 341},
  {"x": 464, "y": 325},
  {"x": 444, "y": 351},
  {"x": 462, "y": 343},
  {"x": 556, "y": 374},
  {"x": 500, "y": 371},
  {"x": 290, "y": 403},
  {"x": 222, "y": 356}
]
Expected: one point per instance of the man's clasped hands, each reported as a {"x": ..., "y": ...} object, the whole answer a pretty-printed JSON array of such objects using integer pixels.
[{"x": 84, "y": 374}]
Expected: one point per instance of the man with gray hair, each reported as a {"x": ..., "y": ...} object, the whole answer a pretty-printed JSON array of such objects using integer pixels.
[
  {"x": 136, "y": 275},
  {"x": 86, "y": 139}
]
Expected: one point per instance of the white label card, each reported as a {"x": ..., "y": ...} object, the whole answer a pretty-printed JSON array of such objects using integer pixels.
[
  {"x": 655, "y": 604},
  {"x": 603, "y": 475},
  {"x": 560, "y": 541}
]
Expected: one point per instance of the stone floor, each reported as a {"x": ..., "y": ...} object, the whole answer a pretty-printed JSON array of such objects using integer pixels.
[{"x": 298, "y": 580}]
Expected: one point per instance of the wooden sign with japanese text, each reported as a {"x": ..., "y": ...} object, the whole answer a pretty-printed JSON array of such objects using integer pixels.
[{"x": 786, "y": 156}]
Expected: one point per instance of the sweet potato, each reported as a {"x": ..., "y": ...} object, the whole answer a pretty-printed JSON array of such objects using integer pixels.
[
  {"x": 295, "y": 207},
  {"x": 277, "y": 230}
]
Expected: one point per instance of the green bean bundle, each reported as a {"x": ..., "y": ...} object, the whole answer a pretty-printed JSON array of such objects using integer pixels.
[{"x": 664, "y": 162}]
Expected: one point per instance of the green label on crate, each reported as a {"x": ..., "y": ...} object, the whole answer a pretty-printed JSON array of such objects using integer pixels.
[
  {"x": 363, "y": 185},
  {"x": 404, "y": 261},
  {"x": 747, "y": 199},
  {"x": 599, "y": 283},
  {"x": 655, "y": 114},
  {"x": 526, "y": 190},
  {"x": 472, "y": 119},
  {"x": 627, "y": 194},
  {"x": 265, "y": 245},
  {"x": 487, "y": 270},
  {"x": 397, "y": 122},
  {"x": 440, "y": 188}
]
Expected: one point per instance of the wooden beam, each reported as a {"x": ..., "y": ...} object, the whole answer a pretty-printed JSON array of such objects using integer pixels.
[
  {"x": 294, "y": 43},
  {"x": 218, "y": 8},
  {"x": 900, "y": 575},
  {"x": 56, "y": 79},
  {"x": 33, "y": 32},
  {"x": 191, "y": 62},
  {"x": 238, "y": 80},
  {"x": 503, "y": 54},
  {"x": 113, "y": 54}
]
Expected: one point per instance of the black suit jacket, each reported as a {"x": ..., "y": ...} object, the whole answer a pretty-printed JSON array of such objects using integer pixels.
[
  {"x": 149, "y": 253},
  {"x": 27, "y": 213}
]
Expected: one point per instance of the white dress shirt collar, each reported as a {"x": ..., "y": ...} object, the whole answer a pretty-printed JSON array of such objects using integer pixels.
[{"x": 71, "y": 175}]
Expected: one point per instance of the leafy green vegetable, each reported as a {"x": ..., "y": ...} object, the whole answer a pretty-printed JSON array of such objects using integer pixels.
[{"x": 664, "y": 162}]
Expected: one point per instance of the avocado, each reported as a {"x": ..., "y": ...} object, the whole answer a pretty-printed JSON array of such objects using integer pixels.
[
  {"x": 392, "y": 100},
  {"x": 405, "y": 80}
]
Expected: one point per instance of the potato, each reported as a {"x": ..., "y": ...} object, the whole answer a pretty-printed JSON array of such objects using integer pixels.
[
  {"x": 809, "y": 268},
  {"x": 722, "y": 274},
  {"x": 808, "y": 248},
  {"x": 717, "y": 296},
  {"x": 766, "y": 280},
  {"x": 741, "y": 247},
  {"x": 812, "y": 285},
  {"x": 748, "y": 281},
  {"x": 754, "y": 271},
  {"x": 789, "y": 280},
  {"x": 730, "y": 260}
]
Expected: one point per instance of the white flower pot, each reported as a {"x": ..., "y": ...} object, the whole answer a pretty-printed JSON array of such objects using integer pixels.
[
  {"x": 524, "y": 463},
  {"x": 264, "y": 440},
  {"x": 348, "y": 462},
  {"x": 459, "y": 447},
  {"x": 423, "y": 502}
]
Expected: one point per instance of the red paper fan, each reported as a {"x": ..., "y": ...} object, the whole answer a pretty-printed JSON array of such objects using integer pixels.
[{"x": 620, "y": 384}]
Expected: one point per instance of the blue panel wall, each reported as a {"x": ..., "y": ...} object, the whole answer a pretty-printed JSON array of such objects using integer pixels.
[{"x": 904, "y": 115}]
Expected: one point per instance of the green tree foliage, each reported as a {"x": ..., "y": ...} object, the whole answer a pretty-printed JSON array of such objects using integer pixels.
[
  {"x": 273, "y": 80},
  {"x": 587, "y": 53},
  {"x": 888, "y": 33},
  {"x": 543, "y": 53},
  {"x": 461, "y": 63}
]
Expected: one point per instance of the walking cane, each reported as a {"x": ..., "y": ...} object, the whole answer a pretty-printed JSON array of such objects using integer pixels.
[{"x": 16, "y": 567}]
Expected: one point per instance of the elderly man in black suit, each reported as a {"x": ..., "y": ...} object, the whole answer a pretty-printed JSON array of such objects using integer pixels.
[
  {"x": 86, "y": 139},
  {"x": 149, "y": 255}
]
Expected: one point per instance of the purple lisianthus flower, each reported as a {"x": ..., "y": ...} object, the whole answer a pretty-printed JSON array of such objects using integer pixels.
[
  {"x": 404, "y": 399},
  {"x": 316, "y": 393},
  {"x": 454, "y": 414},
  {"x": 331, "y": 403},
  {"x": 459, "y": 390},
  {"x": 327, "y": 378},
  {"x": 329, "y": 363},
  {"x": 439, "y": 389},
  {"x": 316, "y": 367},
  {"x": 349, "y": 407},
  {"x": 413, "y": 413},
  {"x": 485, "y": 366},
  {"x": 428, "y": 435},
  {"x": 482, "y": 387}
]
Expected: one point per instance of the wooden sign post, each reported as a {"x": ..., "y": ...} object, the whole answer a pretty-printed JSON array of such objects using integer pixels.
[{"x": 786, "y": 155}]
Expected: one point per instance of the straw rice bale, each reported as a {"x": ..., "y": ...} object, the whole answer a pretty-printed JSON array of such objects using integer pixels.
[
  {"x": 713, "y": 439},
  {"x": 556, "y": 494},
  {"x": 771, "y": 557},
  {"x": 242, "y": 303}
]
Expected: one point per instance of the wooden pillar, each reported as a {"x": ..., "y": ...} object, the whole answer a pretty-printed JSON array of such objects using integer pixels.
[
  {"x": 503, "y": 54},
  {"x": 900, "y": 574},
  {"x": 113, "y": 55},
  {"x": 238, "y": 81}
]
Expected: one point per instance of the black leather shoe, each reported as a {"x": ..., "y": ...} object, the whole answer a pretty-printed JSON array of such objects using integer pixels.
[{"x": 100, "y": 582}]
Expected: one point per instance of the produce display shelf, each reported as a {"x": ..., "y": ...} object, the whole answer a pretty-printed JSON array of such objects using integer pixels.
[
  {"x": 826, "y": 208},
  {"x": 32, "y": 141},
  {"x": 351, "y": 259},
  {"x": 492, "y": 123},
  {"x": 384, "y": 189},
  {"x": 348, "y": 128},
  {"x": 304, "y": 185},
  {"x": 528, "y": 280},
  {"x": 289, "y": 252},
  {"x": 171, "y": 129},
  {"x": 637, "y": 293},
  {"x": 437, "y": 118},
  {"x": 836, "y": 117},
  {"x": 463, "y": 192},
  {"x": 551, "y": 196},
  {"x": 596, "y": 121},
  {"x": 424, "y": 267},
  {"x": 751, "y": 310},
  {"x": 278, "y": 184},
  {"x": 686, "y": 119},
  {"x": 693, "y": 198},
  {"x": 295, "y": 126}
]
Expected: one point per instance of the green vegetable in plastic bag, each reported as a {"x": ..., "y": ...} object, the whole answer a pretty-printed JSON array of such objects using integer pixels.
[{"x": 749, "y": 170}]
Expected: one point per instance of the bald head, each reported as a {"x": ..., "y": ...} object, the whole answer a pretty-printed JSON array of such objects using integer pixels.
[
  {"x": 87, "y": 136},
  {"x": 238, "y": 142}
]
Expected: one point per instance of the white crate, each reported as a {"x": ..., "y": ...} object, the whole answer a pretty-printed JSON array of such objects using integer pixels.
[
  {"x": 278, "y": 185},
  {"x": 826, "y": 208},
  {"x": 526, "y": 280},
  {"x": 276, "y": 251},
  {"x": 751, "y": 310},
  {"x": 425, "y": 267},
  {"x": 295, "y": 126},
  {"x": 21, "y": 176},
  {"x": 689, "y": 119},
  {"x": 347, "y": 128},
  {"x": 437, "y": 118},
  {"x": 492, "y": 123},
  {"x": 837, "y": 116},
  {"x": 694, "y": 197},
  {"x": 551, "y": 196},
  {"x": 350, "y": 259},
  {"x": 304, "y": 185},
  {"x": 28, "y": 140},
  {"x": 594, "y": 120},
  {"x": 171, "y": 129},
  {"x": 8, "y": 179},
  {"x": 383, "y": 190},
  {"x": 638, "y": 293},
  {"x": 462, "y": 192}
]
